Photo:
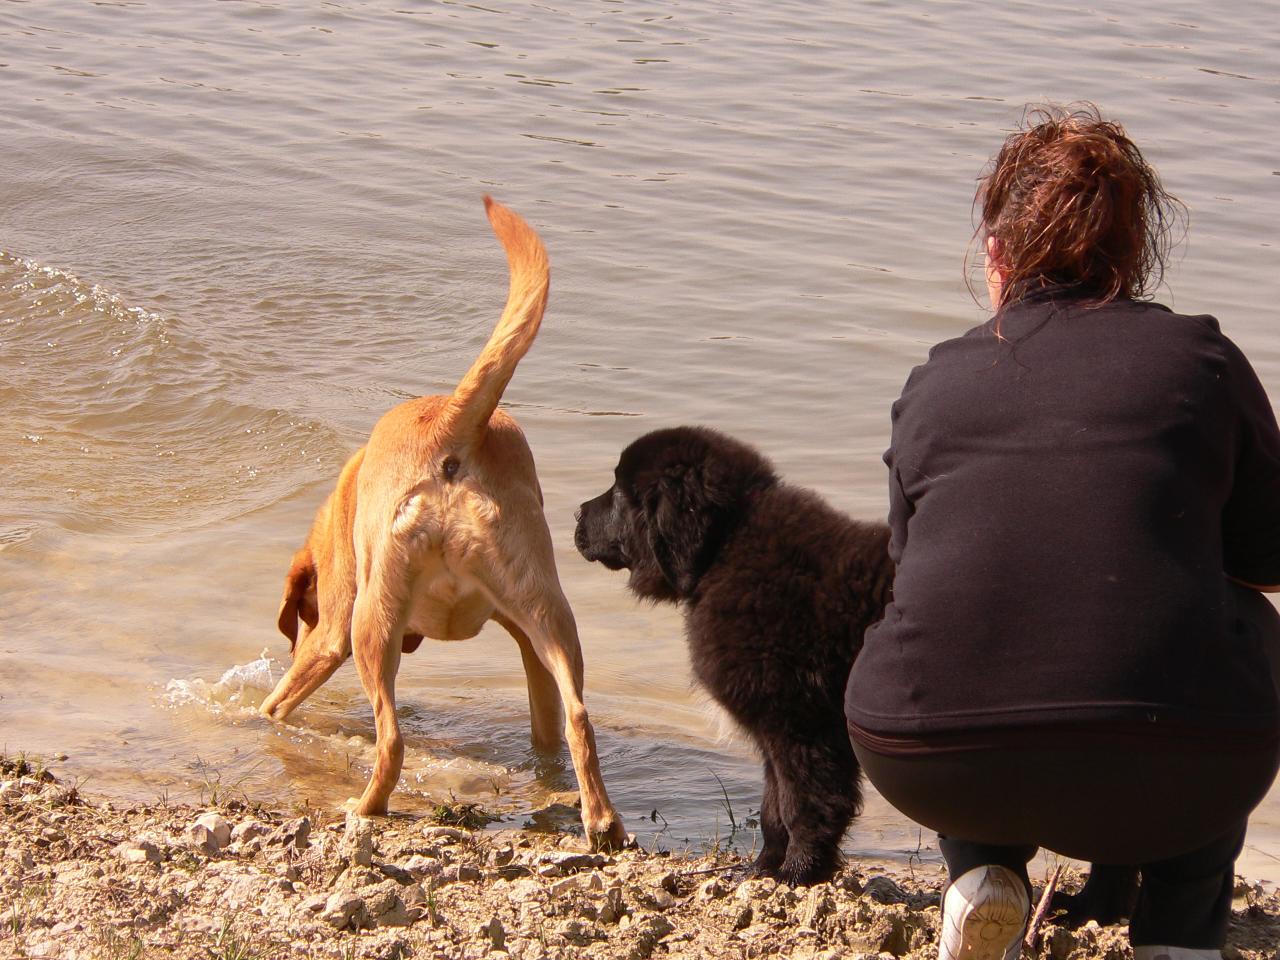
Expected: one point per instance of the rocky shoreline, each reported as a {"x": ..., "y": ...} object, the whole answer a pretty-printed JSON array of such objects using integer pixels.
[{"x": 84, "y": 880}]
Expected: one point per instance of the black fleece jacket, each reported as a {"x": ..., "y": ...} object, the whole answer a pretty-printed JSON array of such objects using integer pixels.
[{"x": 1065, "y": 499}]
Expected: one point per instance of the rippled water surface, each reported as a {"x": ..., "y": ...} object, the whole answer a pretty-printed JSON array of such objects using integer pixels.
[{"x": 235, "y": 233}]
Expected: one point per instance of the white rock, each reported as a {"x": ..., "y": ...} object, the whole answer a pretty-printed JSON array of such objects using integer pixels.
[
  {"x": 562, "y": 888},
  {"x": 203, "y": 839},
  {"x": 421, "y": 866},
  {"x": 138, "y": 851},
  {"x": 357, "y": 840},
  {"x": 344, "y": 909},
  {"x": 713, "y": 889},
  {"x": 247, "y": 830},
  {"x": 217, "y": 824}
]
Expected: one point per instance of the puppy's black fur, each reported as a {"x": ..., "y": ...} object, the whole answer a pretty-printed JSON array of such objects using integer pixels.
[{"x": 777, "y": 589}]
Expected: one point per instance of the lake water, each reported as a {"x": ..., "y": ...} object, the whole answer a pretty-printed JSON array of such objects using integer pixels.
[{"x": 235, "y": 233}]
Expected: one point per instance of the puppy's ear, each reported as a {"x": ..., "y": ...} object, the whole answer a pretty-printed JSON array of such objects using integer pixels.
[
  {"x": 300, "y": 601},
  {"x": 680, "y": 518}
]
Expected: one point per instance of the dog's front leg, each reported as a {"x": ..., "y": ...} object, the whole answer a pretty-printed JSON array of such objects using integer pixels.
[
  {"x": 317, "y": 656},
  {"x": 376, "y": 644},
  {"x": 774, "y": 848}
]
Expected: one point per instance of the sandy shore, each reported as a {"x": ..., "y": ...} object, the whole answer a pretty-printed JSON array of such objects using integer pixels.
[{"x": 85, "y": 879}]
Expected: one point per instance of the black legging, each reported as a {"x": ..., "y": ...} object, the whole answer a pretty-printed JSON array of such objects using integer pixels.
[
  {"x": 1177, "y": 810},
  {"x": 1180, "y": 817}
]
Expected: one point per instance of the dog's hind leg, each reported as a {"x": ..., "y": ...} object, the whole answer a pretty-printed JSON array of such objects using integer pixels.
[
  {"x": 774, "y": 849},
  {"x": 377, "y": 629},
  {"x": 544, "y": 693},
  {"x": 553, "y": 635}
]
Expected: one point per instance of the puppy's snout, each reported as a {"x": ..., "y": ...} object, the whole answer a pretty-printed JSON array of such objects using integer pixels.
[{"x": 581, "y": 538}]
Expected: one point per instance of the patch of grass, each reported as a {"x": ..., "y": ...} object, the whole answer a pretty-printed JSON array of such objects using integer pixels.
[
  {"x": 230, "y": 944},
  {"x": 24, "y": 765},
  {"x": 433, "y": 915},
  {"x": 215, "y": 793},
  {"x": 21, "y": 909},
  {"x": 728, "y": 807},
  {"x": 187, "y": 862},
  {"x": 470, "y": 816},
  {"x": 117, "y": 947}
]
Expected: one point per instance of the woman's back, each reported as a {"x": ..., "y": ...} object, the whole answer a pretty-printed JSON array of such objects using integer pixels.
[{"x": 1063, "y": 489}]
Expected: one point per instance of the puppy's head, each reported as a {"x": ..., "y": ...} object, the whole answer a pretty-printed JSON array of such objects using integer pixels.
[
  {"x": 676, "y": 494},
  {"x": 299, "y": 607}
]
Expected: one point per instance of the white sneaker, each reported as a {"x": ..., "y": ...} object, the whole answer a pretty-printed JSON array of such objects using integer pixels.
[
  {"x": 1174, "y": 953},
  {"x": 984, "y": 916}
]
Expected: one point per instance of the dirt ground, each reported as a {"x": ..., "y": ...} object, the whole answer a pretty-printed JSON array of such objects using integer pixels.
[{"x": 84, "y": 880}]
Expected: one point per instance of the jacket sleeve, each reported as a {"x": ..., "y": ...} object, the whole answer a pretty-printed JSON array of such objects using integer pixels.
[{"x": 1251, "y": 517}]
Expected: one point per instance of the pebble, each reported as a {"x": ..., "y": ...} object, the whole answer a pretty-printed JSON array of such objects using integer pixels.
[
  {"x": 356, "y": 845},
  {"x": 421, "y": 866},
  {"x": 247, "y": 830},
  {"x": 884, "y": 890},
  {"x": 203, "y": 839},
  {"x": 817, "y": 905},
  {"x": 496, "y": 934},
  {"x": 460, "y": 871},
  {"x": 216, "y": 824},
  {"x": 713, "y": 889},
  {"x": 444, "y": 834},
  {"x": 342, "y": 910},
  {"x": 138, "y": 851},
  {"x": 557, "y": 863},
  {"x": 562, "y": 888},
  {"x": 522, "y": 890},
  {"x": 294, "y": 833}
]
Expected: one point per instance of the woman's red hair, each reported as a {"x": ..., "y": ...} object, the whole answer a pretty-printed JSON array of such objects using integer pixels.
[{"x": 1072, "y": 204}]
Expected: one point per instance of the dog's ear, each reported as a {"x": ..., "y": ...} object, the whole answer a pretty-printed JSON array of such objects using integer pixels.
[
  {"x": 300, "y": 601},
  {"x": 680, "y": 517}
]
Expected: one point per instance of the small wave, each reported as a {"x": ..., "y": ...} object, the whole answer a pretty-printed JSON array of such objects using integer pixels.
[
  {"x": 121, "y": 419},
  {"x": 240, "y": 690},
  {"x": 11, "y": 534}
]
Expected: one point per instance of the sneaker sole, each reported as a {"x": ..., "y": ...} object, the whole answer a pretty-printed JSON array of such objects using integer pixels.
[{"x": 989, "y": 929}]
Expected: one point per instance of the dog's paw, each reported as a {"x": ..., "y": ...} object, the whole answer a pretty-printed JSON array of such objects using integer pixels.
[
  {"x": 360, "y": 808},
  {"x": 610, "y": 838}
]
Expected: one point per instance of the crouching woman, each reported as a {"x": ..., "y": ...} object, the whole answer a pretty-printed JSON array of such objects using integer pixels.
[{"x": 1084, "y": 503}]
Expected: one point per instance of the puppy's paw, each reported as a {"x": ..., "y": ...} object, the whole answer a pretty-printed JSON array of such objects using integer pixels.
[
  {"x": 767, "y": 864},
  {"x": 806, "y": 870}
]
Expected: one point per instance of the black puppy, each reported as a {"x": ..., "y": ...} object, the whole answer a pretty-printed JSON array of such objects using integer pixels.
[{"x": 777, "y": 589}]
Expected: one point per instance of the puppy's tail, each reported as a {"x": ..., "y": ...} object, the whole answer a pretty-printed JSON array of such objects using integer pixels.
[{"x": 477, "y": 394}]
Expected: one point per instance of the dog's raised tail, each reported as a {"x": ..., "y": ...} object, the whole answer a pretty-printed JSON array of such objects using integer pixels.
[{"x": 477, "y": 394}]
